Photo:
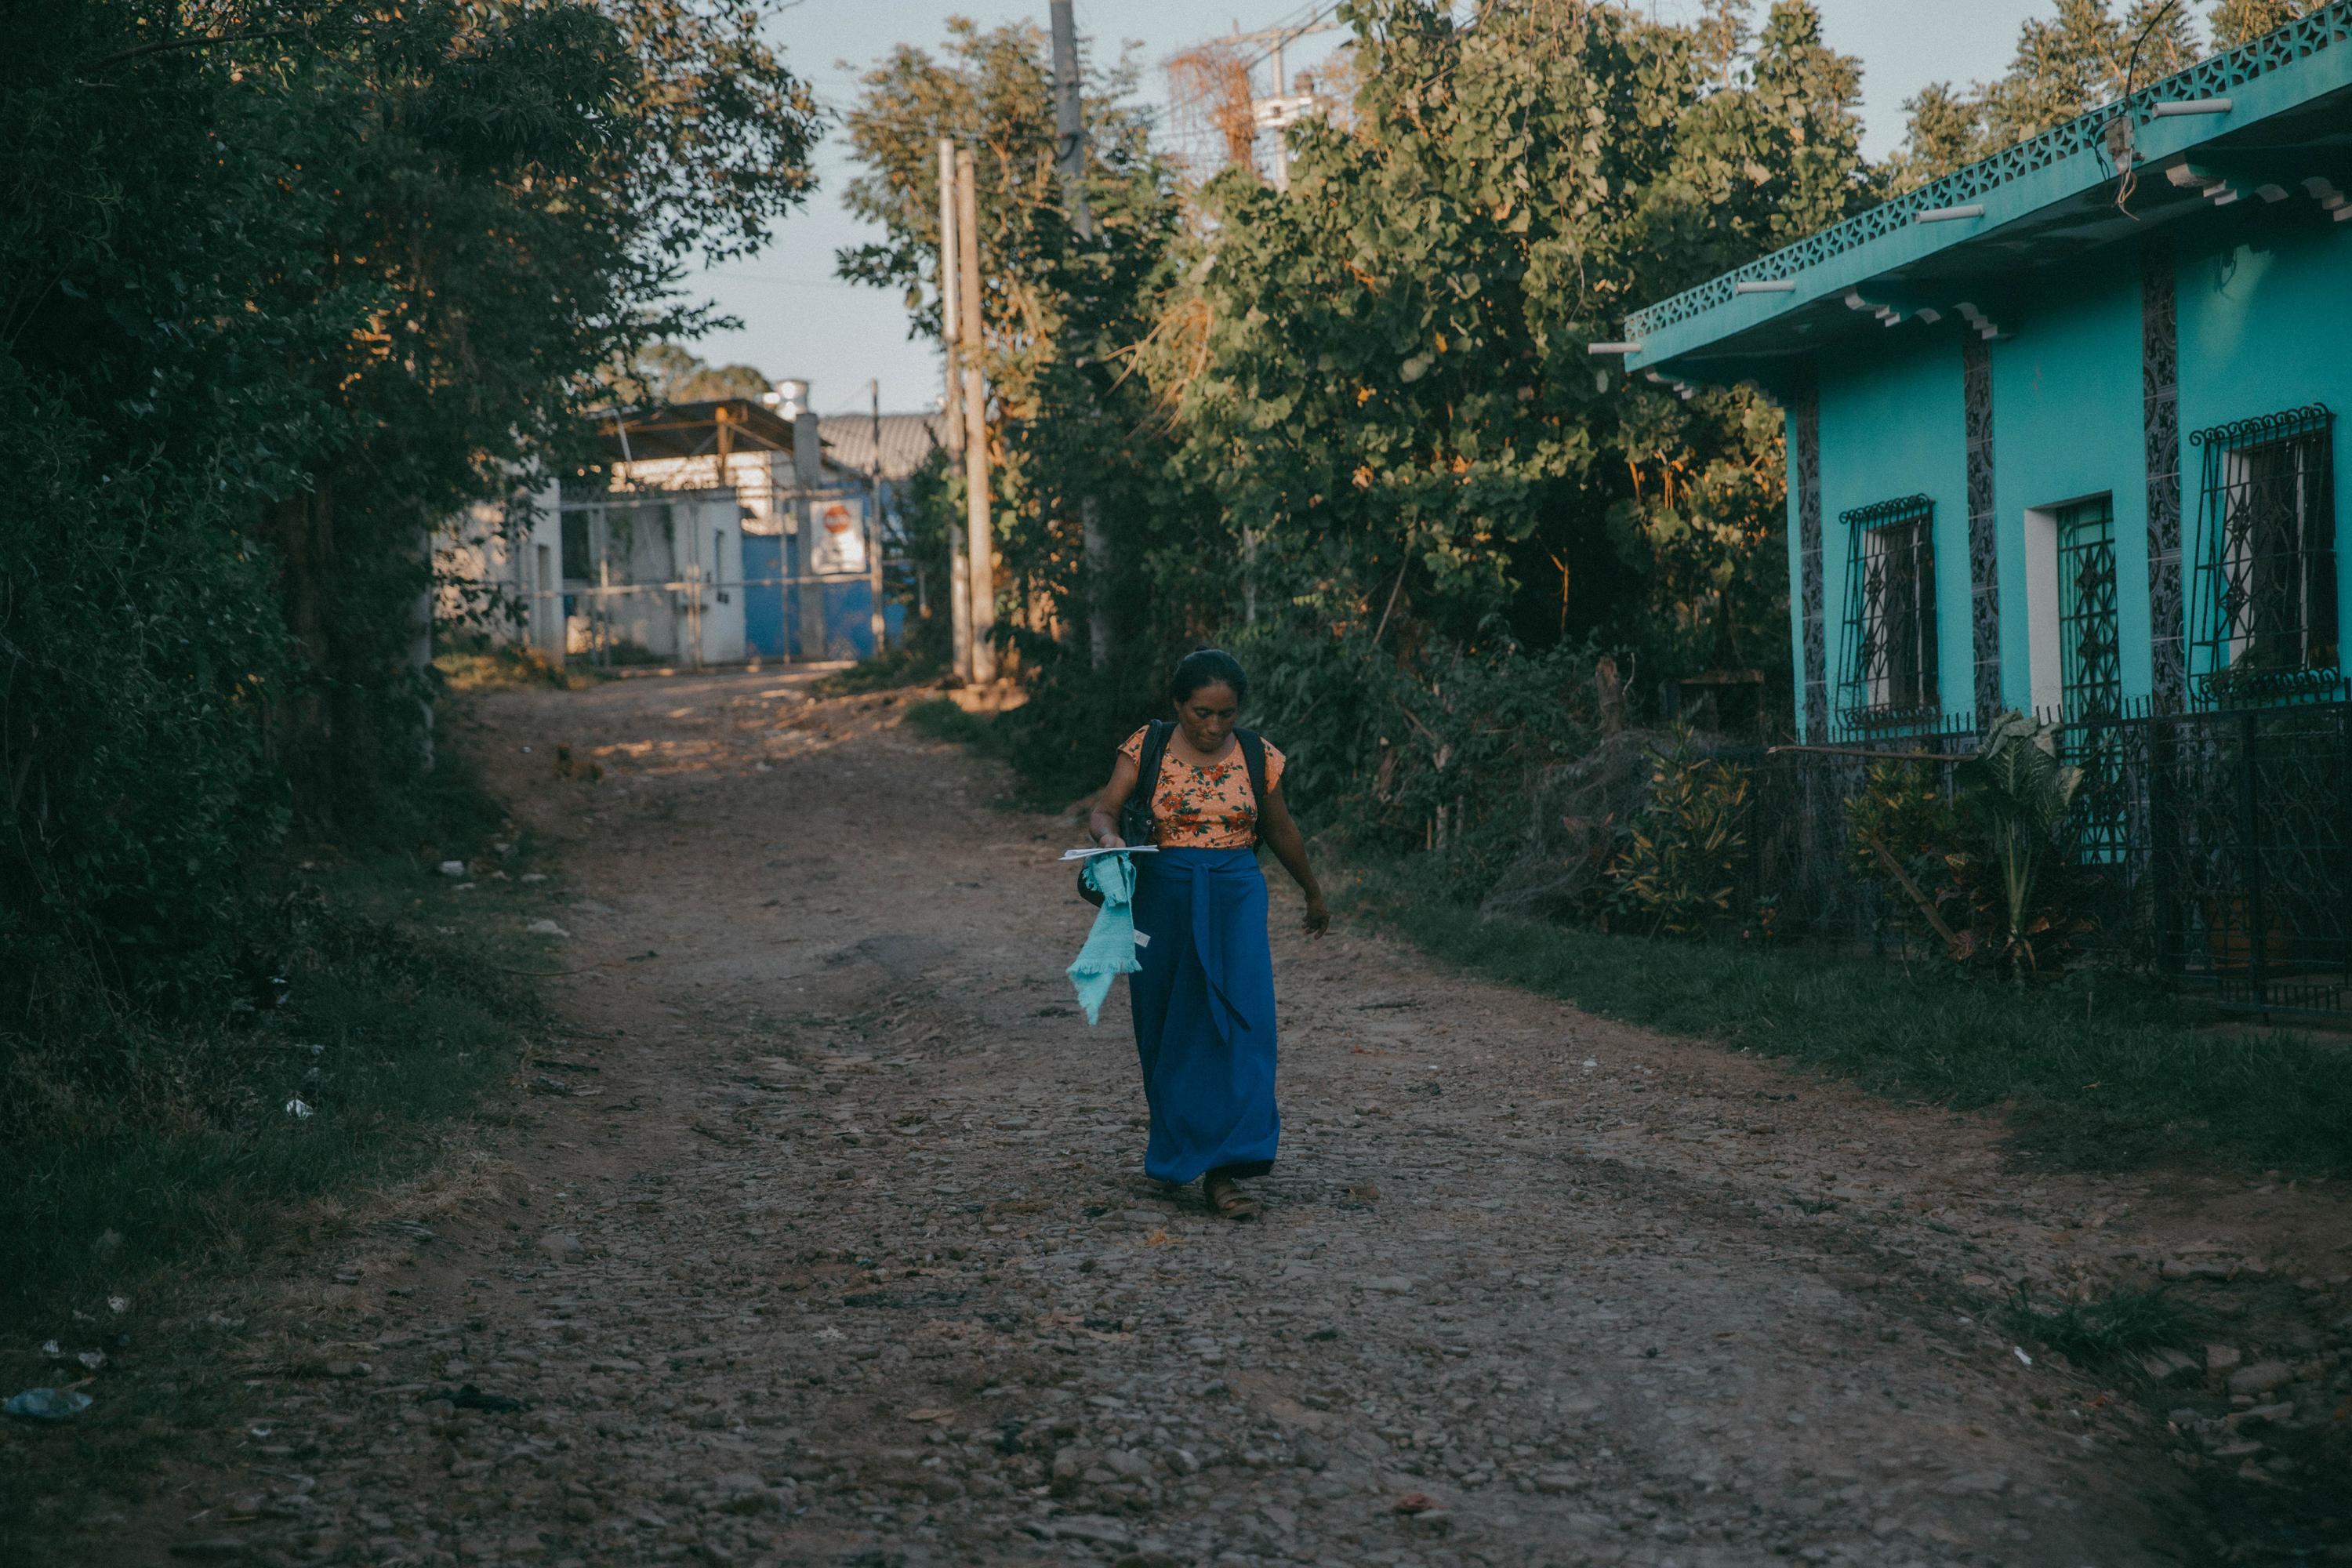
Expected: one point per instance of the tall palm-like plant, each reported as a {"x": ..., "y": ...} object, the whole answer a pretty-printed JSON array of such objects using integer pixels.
[{"x": 2023, "y": 794}]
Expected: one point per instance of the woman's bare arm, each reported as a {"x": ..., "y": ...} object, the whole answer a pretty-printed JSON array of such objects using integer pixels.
[
  {"x": 1103, "y": 822},
  {"x": 1282, "y": 836}
]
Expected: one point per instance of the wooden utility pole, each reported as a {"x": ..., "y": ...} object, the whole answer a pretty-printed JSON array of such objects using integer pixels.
[
  {"x": 972, "y": 338},
  {"x": 1069, "y": 121},
  {"x": 874, "y": 521},
  {"x": 950, "y": 331},
  {"x": 808, "y": 479},
  {"x": 1070, "y": 163}
]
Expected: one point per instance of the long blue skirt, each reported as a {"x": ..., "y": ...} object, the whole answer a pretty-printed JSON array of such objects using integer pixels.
[{"x": 1204, "y": 1009}]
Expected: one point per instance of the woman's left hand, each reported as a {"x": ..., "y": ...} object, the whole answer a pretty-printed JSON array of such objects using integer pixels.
[{"x": 1318, "y": 918}]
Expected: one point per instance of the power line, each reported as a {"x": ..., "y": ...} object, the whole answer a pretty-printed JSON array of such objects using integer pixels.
[{"x": 788, "y": 282}]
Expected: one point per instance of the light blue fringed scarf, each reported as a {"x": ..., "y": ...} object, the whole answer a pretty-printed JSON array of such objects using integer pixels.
[{"x": 1110, "y": 949}]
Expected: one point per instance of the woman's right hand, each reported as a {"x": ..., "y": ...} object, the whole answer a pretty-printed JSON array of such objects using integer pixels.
[{"x": 1110, "y": 841}]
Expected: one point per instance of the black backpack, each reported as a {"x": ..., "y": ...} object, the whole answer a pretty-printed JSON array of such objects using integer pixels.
[{"x": 1135, "y": 820}]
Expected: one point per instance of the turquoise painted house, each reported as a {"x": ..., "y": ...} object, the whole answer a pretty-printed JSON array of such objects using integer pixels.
[{"x": 2064, "y": 428}]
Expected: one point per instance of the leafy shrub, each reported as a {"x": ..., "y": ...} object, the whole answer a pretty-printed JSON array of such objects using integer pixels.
[
  {"x": 1992, "y": 872},
  {"x": 2021, "y": 796},
  {"x": 1908, "y": 836},
  {"x": 1680, "y": 863},
  {"x": 1452, "y": 750},
  {"x": 1496, "y": 764},
  {"x": 138, "y": 648}
]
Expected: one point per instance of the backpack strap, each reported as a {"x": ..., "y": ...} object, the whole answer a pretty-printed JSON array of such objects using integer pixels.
[
  {"x": 1137, "y": 814},
  {"x": 1253, "y": 746},
  {"x": 1155, "y": 748}
]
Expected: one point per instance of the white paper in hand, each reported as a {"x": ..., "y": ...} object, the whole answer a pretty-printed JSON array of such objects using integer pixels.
[{"x": 1122, "y": 849}]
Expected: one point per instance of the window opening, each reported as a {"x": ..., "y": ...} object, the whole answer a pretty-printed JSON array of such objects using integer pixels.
[
  {"x": 2266, "y": 558},
  {"x": 579, "y": 557},
  {"x": 2090, "y": 658},
  {"x": 1891, "y": 612},
  {"x": 2091, "y": 674}
]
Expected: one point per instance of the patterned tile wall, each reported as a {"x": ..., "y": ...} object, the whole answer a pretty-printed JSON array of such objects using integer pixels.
[
  {"x": 1984, "y": 577},
  {"x": 2159, "y": 360},
  {"x": 1809, "y": 557}
]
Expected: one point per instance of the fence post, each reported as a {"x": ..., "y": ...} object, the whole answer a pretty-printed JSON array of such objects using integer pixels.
[
  {"x": 2163, "y": 842},
  {"x": 2250, "y": 803},
  {"x": 2344, "y": 841}
]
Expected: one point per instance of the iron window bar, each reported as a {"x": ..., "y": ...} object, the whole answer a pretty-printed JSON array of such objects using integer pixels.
[
  {"x": 2265, "y": 602},
  {"x": 2091, "y": 673},
  {"x": 1890, "y": 616}
]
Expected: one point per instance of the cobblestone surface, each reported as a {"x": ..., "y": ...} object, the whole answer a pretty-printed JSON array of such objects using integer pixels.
[{"x": 824, "y": 1240}]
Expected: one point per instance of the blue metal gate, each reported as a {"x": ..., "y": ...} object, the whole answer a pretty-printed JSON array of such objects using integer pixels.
[{"x": 773, "y": 587}]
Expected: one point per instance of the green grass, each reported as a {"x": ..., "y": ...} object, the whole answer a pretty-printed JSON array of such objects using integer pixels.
[
  {"x": 2126, "y": 1323},
  {"x": 890, "y": 671},
  {"x": 2097, "y": 1074},
  {"x": 148, "y": 1159},
  {"x": 941, "y": 720},
  {"x": 505, "y": 668},
  {"x": 136, "y": 1146}
]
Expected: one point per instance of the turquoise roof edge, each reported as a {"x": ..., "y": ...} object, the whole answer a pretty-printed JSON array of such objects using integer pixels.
[{"x": 2283, "y": 68}]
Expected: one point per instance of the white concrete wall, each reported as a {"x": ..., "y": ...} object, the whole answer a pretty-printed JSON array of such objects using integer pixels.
[
  {"x": 661, "y": 570},
  {"x": 497, "y": 571}
]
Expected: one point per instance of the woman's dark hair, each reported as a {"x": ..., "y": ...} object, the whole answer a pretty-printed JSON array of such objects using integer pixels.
[{"x": 1208, "y": 667}]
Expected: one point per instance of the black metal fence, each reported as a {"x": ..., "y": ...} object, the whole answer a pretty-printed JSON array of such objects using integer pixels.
[{"x": 2213, "y": 847}]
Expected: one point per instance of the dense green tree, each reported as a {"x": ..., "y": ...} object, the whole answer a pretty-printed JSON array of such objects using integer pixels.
[
  {"x": 1358, "y": 409},
  {"x": 284, "y": 284},
  {"x": 1061, "y": 314},
  {"x": 2066, "y": 64},
  {"x": 668, "y": 374},
  {"x": 2234, "y": 22},
  {"x": 1393, "y": 408}
]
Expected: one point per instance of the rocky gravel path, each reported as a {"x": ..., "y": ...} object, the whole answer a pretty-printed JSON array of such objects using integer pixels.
[{"x": 822, "y": 1238}]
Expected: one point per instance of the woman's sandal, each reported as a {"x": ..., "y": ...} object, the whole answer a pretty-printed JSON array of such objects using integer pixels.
[{"x": 1226, "y": 1198}]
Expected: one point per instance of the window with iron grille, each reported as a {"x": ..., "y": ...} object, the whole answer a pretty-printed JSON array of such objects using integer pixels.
[
  {"x": 2265, "y": 604},
  {"x": 1890, "y": 612},
  {"x": 2090, "y": 659},
  {"x": 2091, "y": 674}
]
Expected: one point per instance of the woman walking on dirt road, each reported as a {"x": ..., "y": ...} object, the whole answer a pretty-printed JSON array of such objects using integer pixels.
[{"x": 1203, "y": 1003}]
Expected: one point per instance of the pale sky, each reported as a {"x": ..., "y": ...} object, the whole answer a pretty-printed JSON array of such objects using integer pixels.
[{"x": 799, "y": 320}]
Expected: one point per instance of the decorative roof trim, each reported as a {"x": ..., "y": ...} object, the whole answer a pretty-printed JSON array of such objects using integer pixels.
[{"x": 2208, "y": 80}]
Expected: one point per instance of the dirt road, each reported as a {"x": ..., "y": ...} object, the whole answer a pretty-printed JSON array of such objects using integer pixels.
[{"x": 826, "y": 1241}]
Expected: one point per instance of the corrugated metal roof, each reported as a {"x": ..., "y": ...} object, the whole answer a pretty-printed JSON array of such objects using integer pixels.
[
  {"x": 907, "y": 440},
  {"x": 691, "y": 429}
]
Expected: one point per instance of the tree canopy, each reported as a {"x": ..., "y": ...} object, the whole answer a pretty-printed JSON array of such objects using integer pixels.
[
  {"x": 2066, "y": 64},
  {"x": 284, "y": 285}
]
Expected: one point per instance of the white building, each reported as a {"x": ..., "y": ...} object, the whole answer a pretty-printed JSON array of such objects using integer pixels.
[{"x": 712, "y": 532}]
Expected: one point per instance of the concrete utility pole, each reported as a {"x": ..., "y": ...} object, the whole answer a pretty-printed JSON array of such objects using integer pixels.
[
  {"x": 808, "y": 475},
  {"x": 1069, "y": 121},
  {"x": 1070, "y": 163},
  {"x": 874, "y": 519},
  {"x": 951, "y": 413},
  {"x": 1281, "y": 144},
  {"x": 973, "y": 339}
]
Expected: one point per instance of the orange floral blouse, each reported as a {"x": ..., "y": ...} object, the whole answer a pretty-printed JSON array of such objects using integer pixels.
[{"x": 1204, "y": 808}]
